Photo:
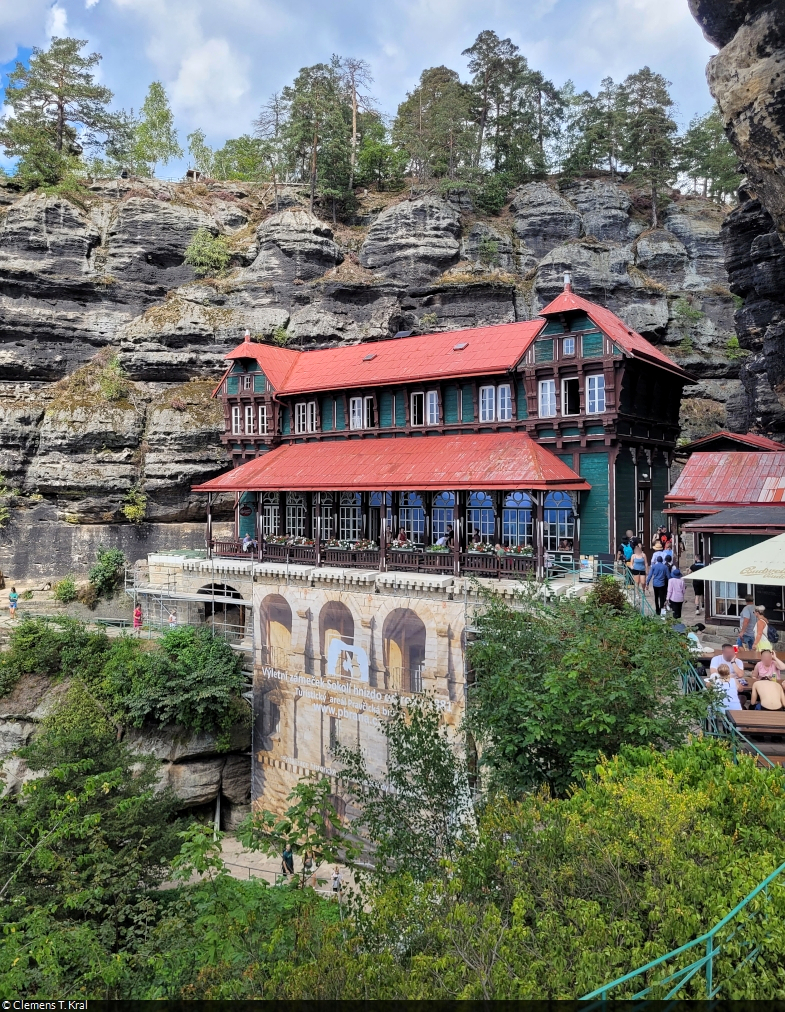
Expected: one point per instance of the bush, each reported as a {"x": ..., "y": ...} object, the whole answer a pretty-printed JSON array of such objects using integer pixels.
[
  {"x": 55, "y": 648},
  {"x": 134, "y": 505},
  {"x": 112, "y": 381},
  {"x": 107, "y": 572},
  {"x": 208, "y": 254},
  {"x": 492, "y": 195},
  {"x": 281, "y": 336},
  {"x": 65, "y": 590},
  {"x": 608, "y": 593},
  {"x": 88, "y": 596}
]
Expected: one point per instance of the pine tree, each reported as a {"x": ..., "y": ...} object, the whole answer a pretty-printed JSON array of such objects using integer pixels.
[
  {"x": 156, "y": 137},
  {"x": 433, "y": 125},
  {"x": 356, "y": 76},
  {"x": 51, "y": 99},
  {"x": 649, "y": 145},
  {"x": 706, "y": 154},
  {"x": 489, "y": 61}
]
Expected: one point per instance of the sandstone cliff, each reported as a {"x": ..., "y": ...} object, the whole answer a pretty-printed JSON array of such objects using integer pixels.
[{"x": 110, "y": 346}]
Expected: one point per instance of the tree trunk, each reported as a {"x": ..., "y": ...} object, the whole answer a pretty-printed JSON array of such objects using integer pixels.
[
  {"x": 653, "y": 204},
  {"x": 354, "y": 135},
  {"x": 313, "y": 163},
  {"x": 60, "y": 125},
  {"x": 539, "y": 124}
]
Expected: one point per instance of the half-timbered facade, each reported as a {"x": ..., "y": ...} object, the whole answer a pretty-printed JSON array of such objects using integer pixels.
[{"x": 389, "y": 441}]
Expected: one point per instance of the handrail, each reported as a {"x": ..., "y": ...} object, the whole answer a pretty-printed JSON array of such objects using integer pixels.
[{"x": 688, "y": 972}]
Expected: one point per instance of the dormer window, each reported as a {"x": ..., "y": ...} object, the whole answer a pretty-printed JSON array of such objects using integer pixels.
[
  {"x": 432, "y": 403},
  {"x": 361, "y": 413},
  {"x": 568, "y": 346},
  {"x": 247, "y": 382}
]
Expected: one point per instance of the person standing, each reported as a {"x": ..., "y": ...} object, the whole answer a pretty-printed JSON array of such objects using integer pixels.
[
  {"x": 658, "y": 578},
  {"x": 698, "y": 585},
  {"x": 287, "y": 861},
  {"x": 137, "y": 620},
  {"x": 761, "y": 642},
  {"x": 337, "y": 881},
  {"x": 13, "y": 601},
  {"x": 747, "y": 623},
  {"x": 675, "y": 593},
  {"x": 638, "y": 566}
]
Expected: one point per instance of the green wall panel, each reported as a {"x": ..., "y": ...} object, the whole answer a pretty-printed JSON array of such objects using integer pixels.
[
  {"x": 385, "y": 409},
  {"x": 286, "y": 425},
  {"x": 659, "y": 489},
  {"x": 232, "y": 384},
  {"x": 723, "y": 545},
  {"x": 247, "y": 525},
  {"x": 592, "y": 345},
  {"x": 467, "y": 404},
  {"x": 594, "y": 504},
  {"x": 520, "y": 396},
  {"x": 258, "y": 383},
  {"x": 400, "y": 409},
  {"x": 626, "y": 518},
  {"x": 327, "y": 409},
  {"x": 340, "y": 421},
  {"x": 543, "y": 351},
  {"x": 451, "y": 404}
]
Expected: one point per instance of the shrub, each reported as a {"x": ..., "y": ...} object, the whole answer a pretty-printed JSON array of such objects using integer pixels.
[
  {"x": 492, "y": 195},
  {"x": 112, "y": 381},
  {"x": 281, "y": 336},
  {"x": 208, "y": 254},
  {"x": 88, "y": 596},
  {"x": 107, "y": 572},
  {"x": 134, "y": 505},
  {"x": 685, "y": 313},
  {"x": 733, "y": 349},
  {"x": 428, "y": 321},
  {"x": 52, "y": 647},
  {"x": 608, "y": 593},
  {"x": 65, "y": 590},
  {"x": 488, "y": 252}
]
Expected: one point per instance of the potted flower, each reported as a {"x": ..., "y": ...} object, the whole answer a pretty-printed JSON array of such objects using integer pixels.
[
  {"x": 443, "y": 549},
  {"x": 403, "y": 546}
]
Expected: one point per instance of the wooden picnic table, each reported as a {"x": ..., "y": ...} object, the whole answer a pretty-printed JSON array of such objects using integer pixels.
[{"x": 759, "y": 721}]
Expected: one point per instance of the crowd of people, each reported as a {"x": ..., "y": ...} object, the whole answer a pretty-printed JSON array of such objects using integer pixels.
[
  {"x": 662, "y": 574},
  {"x": 764, "y": 684}
]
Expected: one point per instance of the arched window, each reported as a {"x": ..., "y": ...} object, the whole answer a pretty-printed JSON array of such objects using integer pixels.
[
  {"x": 559, "y": 522},
  {"x": 295, "y": 514},
  {"x": 412, "y": 516},
  {"x": 327, "y": 517},
  {"x": 481, "y": 516},
  {"x": 442, "y": 516},
  {"x": 270, "y": 513},
  {"x": 517, "y": 519},
  {"x": 351, "y": 517}
]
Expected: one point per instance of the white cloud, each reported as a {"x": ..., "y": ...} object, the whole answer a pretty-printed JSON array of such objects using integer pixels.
[
  {"x": 212, "y": 84},
  {"x": 57, "y": 22},
  {"x": 90, "y": 3}
]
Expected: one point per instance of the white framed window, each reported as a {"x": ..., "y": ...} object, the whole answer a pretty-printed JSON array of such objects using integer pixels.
[
  {"x": 247, "y": 382},
  {"x": 295, "y": 514},
  {"x": 305, "y": 416},
  {"x": 264, "y": 424},
  {"x": 237, "y": 423},
  {"x": 355, "y": 413},
  {"x": 432, "y": 406},
  {"x": 504, "y": 402},
  {"x": 547, "y": 398},
  {"x": 249, "y": 420},
  {"x": 351, "y": 517},
  {"x": 369, "y": 419},
  {"x": 411, "y": 515},
  {"x": 595, "y": 394},
  {"x": 418, "y": 409},
  {"x": 270, "y": 513},
  {"x": 568, "y": 346},
  {"x": 487, "y": 404},
  {"x": 570, "y": 396}
]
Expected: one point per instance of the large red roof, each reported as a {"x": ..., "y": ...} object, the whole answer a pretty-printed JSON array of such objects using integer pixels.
[
  {"x": 750, "y": 439},
  {"x": 616, "y": 329},
  {"x": 453, "y": 353},
  {"x": 730, "y": 478},
  {"x": 504, "y": 460}
]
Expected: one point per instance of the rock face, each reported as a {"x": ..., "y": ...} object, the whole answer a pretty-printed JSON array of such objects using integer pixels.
[
  {"x": 110, "y": 347},
  {"x": 413, "y": 241},
  {"x": 194, "y": 766}
]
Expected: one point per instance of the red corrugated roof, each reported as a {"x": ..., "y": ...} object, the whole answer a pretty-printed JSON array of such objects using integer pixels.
[
  {"x": 485, "y": 351},
  {"x": 743, "y": 439},
  {"x": 730, "y": 478},
  {"x": 505, "y": 460},
  {"x": 616, "y": 329}
]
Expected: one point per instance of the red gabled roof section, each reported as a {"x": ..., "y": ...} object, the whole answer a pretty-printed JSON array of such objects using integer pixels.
[
  {"x": 431, "y": 357},
  {"x": 750, "y": 439},
  {"x": 616, "y": 329},
  {"x": 730, "y": 478},
  {"x": 508, "y": 460}
]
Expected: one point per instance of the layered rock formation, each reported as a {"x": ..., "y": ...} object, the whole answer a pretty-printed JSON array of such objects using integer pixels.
[
  {"x": 110, "y": 345},
  {"x": 747, "y": 78},
  {"x": 193, "y": 765}
]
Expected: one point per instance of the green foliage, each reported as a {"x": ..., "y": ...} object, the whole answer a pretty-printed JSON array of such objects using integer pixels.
[
  {"x": 428, "y": 321},
  {"x": 705, "y": 154},
  {"x": 50, "y": 98},
  {"x": 685, "y": 313},
  {"x": 734, "y": 350},
  {"x": 492, "y": 195},
  {"x": 281, "y": 336},
  {"x": 65, "y": 590},
  {"x": 379, "y": 162},
  {"x": 6, "y": 494},
  {"x": 202, "y": 155},
  {"x": 433, "y": 125},
  {"x": 193, "y": 679},
  {"x": 107, "y": 573},
  {"x": 155, "y": 137},
  {"x": 52, "y": 647},
  {"x": 134, "y": 505},
  {"x": 416, "y": 818},
  {"x": 557, "y": 686},
  {"x": 241, "y": 158},
  {"x": 608, "y": 593},
  {"x": 208, "y": 253},
  {"x": 309, "y": 825},
  {"x": 488, "y": 252},
  {"x": 112, "y": 380}
]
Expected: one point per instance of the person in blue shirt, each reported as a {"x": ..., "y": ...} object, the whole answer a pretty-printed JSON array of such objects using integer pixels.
[{"x": 658, "y": 578}]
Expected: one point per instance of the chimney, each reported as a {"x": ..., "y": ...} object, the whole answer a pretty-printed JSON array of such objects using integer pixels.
[
  {"x": 567, "y": 281},
  {"x": 247, "y": 335}
]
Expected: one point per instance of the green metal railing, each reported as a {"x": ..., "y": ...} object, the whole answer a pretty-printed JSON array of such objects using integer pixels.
[
  {"x": 711, "y": 948},
  {"x": 639, "y": 599}
]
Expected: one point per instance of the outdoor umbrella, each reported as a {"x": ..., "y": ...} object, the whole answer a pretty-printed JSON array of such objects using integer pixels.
[{"x": 763, "y": 564}]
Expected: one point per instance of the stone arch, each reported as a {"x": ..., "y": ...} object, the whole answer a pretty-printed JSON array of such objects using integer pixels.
[
  {"x": 225, "y": 618},
  {"x": 275, "y": 625},
  {"x": 335, "y": 622},
  {"x": 404, "y": 641}
]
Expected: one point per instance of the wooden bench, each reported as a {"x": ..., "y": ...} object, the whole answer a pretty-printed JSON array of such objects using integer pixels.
[{"x": 759, "y": 721}]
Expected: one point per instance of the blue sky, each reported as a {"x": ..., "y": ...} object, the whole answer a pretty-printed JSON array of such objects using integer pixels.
[{"x": 220, "y": 59}]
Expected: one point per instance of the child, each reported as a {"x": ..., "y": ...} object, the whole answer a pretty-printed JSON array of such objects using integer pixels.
[{"x": 13, "y": 600}]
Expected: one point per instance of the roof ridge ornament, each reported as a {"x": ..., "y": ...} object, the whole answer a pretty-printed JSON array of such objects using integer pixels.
[
  {"x": 568, "y": 281},
  {"x": 247, "y": 335}
]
